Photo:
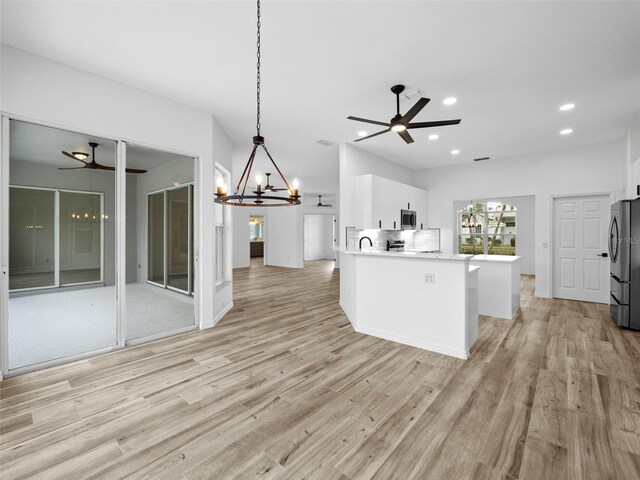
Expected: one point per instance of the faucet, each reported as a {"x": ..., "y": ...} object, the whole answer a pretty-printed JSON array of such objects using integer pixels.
[{"x": 370, "y": 242}]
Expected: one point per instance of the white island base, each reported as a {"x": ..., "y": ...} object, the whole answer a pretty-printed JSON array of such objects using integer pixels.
[
  {"x": 499, "y": 289},
  {"x": 427, "y": 301}
]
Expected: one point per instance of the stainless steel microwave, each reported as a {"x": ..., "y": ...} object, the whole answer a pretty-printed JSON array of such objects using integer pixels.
[{"x": 407, "y": 219}]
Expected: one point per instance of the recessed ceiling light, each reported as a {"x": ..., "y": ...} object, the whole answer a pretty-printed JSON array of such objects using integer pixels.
[
  {"x": 566, "y": 131},
  {"x": 433, "y": 136},
  {"x": 450, "y": 100},
  {"x": 455, "y": 152},
  {"x": 567, "y": 107},
  {"x": 362, "y": 133}
]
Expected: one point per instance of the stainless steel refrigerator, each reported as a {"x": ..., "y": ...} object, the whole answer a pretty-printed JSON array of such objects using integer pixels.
[{"x": 624, "y": 250}]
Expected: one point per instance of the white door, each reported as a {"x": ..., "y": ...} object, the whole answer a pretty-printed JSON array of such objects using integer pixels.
[{"x": 580, "y": 271}]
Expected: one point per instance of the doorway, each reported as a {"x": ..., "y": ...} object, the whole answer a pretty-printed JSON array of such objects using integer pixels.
[
  {"x": 319, "y": 237},
  {"x": 256, "y": 237},
  {"x": 580, "y": 261}
]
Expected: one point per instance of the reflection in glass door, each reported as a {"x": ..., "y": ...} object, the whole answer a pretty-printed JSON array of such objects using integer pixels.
[
  {"x": 61, "y": 250},
  {"x": 55, "y": 238},
  {"x": 170, "y": 238},
  {"x": 31, "y": 238}
]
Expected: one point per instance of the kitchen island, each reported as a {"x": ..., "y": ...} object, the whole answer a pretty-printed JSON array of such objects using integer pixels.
[
  {"x": 424, "y": 300},
  {"x": 499, "y": 285}
]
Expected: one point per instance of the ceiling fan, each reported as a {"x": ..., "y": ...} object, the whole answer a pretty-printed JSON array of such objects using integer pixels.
[
  {"x": 320, "y": 204},
  {"x": 270, "y": 188},
  {"x": 81, "y": 157},
  {"x": 401, "y": 123}
]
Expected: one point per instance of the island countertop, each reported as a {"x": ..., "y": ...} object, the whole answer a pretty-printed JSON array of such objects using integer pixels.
[{"x": 408, "y": 254}]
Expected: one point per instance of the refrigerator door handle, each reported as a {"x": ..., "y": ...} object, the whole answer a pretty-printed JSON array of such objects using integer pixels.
[{"x": 612, "y": 224}]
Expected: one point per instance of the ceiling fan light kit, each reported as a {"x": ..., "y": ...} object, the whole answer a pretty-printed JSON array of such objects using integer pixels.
[
  {"x": 93, "y": 165},
  {"x": 258, "y": 196},
  {"x": 402, "y": 123}
]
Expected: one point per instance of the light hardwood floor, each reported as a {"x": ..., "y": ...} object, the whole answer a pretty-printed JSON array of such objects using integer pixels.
[{"x": 284, "y": 389}]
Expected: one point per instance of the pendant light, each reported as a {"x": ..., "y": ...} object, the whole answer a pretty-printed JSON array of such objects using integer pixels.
[{"x": 258, "y": 196}]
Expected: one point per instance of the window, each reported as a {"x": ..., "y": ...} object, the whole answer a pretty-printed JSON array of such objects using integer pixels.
[
  {"x": 220, "y": 232},
  {"x": 487, "y": 228}
]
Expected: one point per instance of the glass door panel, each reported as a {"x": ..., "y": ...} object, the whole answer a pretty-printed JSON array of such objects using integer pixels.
[
  {"x": 31, "y": 238},
  {"x": 56, "y": 244},
  {"x": 80, "y": 238},
  {"x": 178, "y": 248},
  {"x": 156, "y": 238}
]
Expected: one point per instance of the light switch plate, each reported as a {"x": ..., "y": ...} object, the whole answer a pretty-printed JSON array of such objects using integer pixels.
[{"x": 430, "y": 278}]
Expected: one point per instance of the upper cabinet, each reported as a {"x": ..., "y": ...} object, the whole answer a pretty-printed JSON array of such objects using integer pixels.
[{"x": 378, "y": 202}]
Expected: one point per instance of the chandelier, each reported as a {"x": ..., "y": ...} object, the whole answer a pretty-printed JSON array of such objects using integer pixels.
[{"x": 258, "y": 196}]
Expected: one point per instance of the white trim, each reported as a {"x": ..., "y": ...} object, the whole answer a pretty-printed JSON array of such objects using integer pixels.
[
  {"x": 121, "y": 244},
  {"x": 56, "y": 238},
  {"x": 432, "y": 347},
  {"x": 60, "y": 361},
  {"x": 217, "y": 318},
  {"x": 158, "y": 336},
  {"x": 551, "y": 249},
  {"x": 4, "y": 246},
  {"x": 347, "y": 312}
]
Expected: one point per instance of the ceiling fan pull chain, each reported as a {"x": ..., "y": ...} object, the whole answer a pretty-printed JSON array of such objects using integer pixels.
[{"x": 258, "y": 74}]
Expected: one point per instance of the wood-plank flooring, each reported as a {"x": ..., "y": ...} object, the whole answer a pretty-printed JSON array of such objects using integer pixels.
[{"x": 283, "y": 388}]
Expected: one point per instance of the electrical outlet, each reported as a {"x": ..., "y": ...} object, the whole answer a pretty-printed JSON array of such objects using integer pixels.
[{"x": 430, "y": 278}]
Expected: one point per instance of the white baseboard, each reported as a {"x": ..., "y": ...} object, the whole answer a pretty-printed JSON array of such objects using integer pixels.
[
  {"x": 348, "y": 314},
  {"x": 432, "y": 347},
  {"x": 218, "y": 318}
]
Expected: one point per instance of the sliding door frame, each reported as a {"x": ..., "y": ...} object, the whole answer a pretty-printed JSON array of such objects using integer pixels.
[
  {"x": 191, "y": 248},
  {"x": 56, "y": 237},
  {"x": 120, "y": 219}
]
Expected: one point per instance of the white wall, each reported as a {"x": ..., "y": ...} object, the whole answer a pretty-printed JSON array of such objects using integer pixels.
[
  {"x": 355, "y": 161},
  {"x": 284, "y": 229},
  {"x": 631, "y": 145},
  {"x": 318, "y": 237},
  {"x": 588, "y": 169},
  {"x": 37, "y": 89},
  {"x": 525, "y": 228}
]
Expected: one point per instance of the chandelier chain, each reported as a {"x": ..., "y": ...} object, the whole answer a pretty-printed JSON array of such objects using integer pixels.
[{"x": 258, "y": 73}]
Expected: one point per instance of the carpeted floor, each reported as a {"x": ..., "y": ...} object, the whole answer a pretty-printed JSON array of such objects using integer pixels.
[{"x": 53, "y": 325}]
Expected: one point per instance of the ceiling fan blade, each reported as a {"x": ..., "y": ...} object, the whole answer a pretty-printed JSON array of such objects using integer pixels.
[
  {"x": 375, "y": 122},
  {"x": 70, "y": 168},
  {"x": 413, "y": 111},
  {"x": 135, "y": 170},
  {"x": 372, "y": 135},
  {"x": 440, "y": 123},
  {"x": 405, "y": 136},
  {"x": 74, "y": 158},
  {"x": 103, "y": 167}
]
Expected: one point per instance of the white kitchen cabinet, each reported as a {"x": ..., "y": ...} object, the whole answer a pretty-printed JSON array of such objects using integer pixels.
[
  {"x": 378, "y": 202},
  {"x": 419, "y": 201}
]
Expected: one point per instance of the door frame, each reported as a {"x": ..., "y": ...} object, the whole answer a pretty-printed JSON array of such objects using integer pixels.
[
  {"x": 334, "y": 240},
  {"x": 120, "y": 219},
  {"x": 552, "y": 219},
  {"x": 190, "y": 275}
]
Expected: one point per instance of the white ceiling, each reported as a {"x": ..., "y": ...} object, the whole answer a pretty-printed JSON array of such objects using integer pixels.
[
  {"x": 510, "y": 64},
  {"x": 36, "y": 143}
]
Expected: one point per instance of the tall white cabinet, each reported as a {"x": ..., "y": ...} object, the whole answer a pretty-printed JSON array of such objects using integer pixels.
[{"x": 380, "y": 200}]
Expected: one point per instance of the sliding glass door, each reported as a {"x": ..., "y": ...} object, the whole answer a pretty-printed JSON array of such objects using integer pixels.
[
  {"x": 55, "y": 238},
  {"x": 170, "y": 238},
  {"x": 32, "y": 238},
  {"x": 61, "y": 248}
]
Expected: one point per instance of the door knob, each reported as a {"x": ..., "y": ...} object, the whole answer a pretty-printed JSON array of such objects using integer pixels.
[{"x": 603, "y": 255}]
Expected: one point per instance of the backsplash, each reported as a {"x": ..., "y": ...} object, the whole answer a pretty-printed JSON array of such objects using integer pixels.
[{"x": 421, "y": 240}]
